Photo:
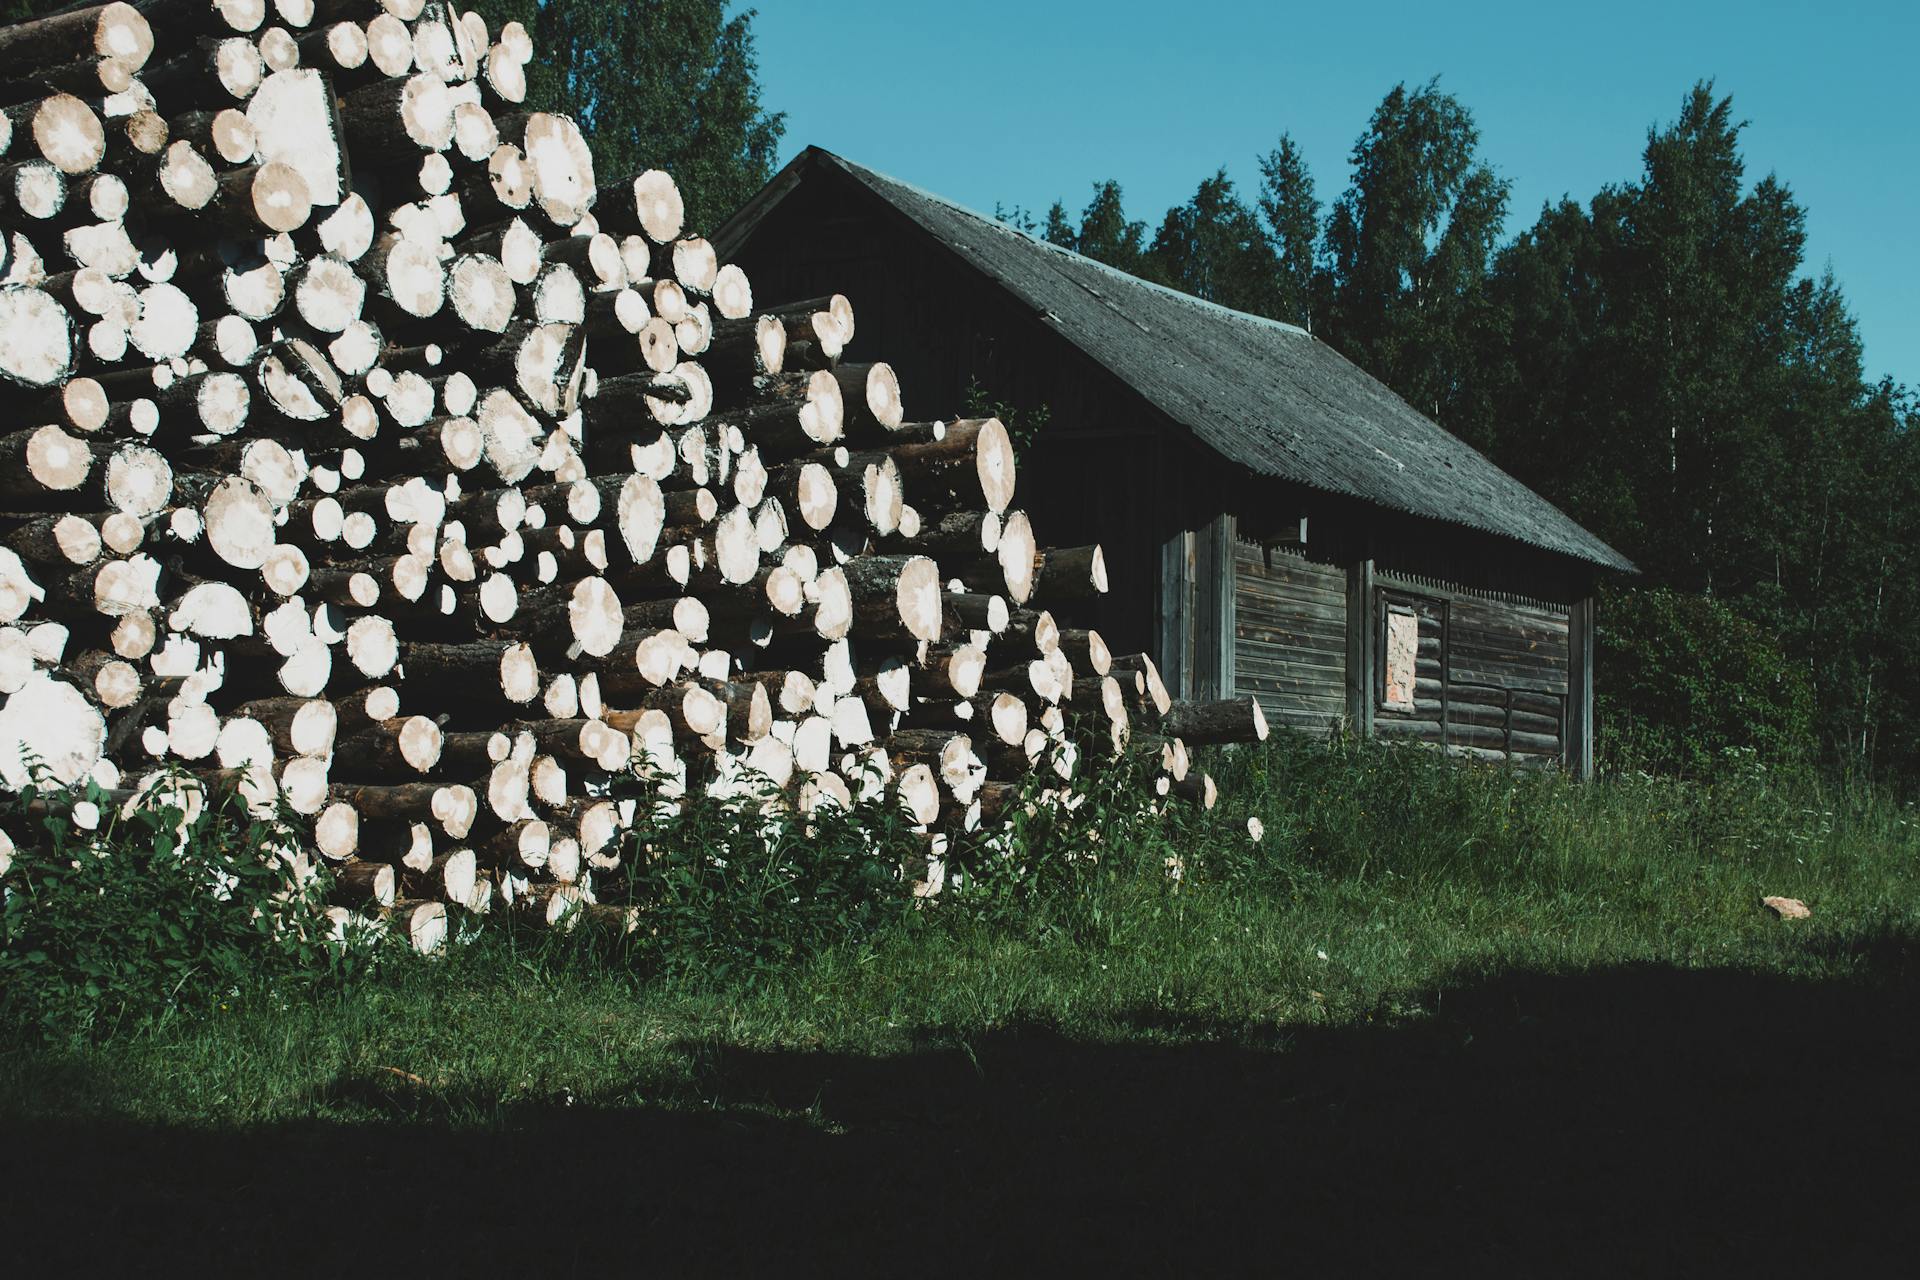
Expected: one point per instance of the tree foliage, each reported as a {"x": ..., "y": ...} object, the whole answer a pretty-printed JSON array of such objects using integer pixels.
[
  {"x": 1673, "y": 379},
  {"x": 656, "y": 84},
  {"x": 1214, "y": 248},
  {"x": 1104, "y": 233},
  {"x": 1292, "y": 218},
  {"x": 15, "y": 10},
  {"x": 1409, "y": 245}
]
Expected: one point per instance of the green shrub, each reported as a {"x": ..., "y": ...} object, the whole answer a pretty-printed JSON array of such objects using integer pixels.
[
  {"x": 1683, "y": 681},
  {"x": 725, "y": 888},
  {"x": 1048, "y": 865},
  {"x": 148, "y": 914}
]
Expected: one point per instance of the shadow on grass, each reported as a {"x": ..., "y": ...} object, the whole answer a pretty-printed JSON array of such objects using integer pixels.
[{"x": 1627, "y": 1121}]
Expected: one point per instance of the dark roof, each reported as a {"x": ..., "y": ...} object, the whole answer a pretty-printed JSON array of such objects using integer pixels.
[{"x": 1266, "y": 395}]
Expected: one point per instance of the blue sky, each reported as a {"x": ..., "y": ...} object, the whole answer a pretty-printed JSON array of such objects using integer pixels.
[{"x": 1023, "y": 103}]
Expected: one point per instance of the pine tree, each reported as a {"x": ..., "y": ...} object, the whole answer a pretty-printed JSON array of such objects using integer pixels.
[
  {"x": 1292, "y": 217},
  {"x": 1213, "y": 247},
  {"x": 1106, "y": 234},
  {"x": 1058, "y": 228}
]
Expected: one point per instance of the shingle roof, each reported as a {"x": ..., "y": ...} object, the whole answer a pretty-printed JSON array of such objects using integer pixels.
[{"x": 1266, "y": 395}]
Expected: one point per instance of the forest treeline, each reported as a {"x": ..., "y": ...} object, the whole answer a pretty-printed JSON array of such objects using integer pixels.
[{"x": 1658, "y": 361}]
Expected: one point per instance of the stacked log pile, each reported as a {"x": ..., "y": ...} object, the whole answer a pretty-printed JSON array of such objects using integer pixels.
[{"x": 365, "y": 453}]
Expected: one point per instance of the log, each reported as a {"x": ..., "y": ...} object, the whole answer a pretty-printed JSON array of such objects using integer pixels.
[
  {"x": 1206, "y": 723},
  {"x": 225, "y": 132},
  {"x": 213, "y": 72},
  {"x": 1068, "y": 577},
  {"x": 1197, "y": 789},
  {"x": 892, "y": 594},
  {"x": 399, "y": 116},
  {"x": 1086, "y": 650},
  {"x": 1141, "y": 678},
  {"x": 742, "y": 350},
  {"x": 818, "y": 330},
  {"x": 295, "y": 124},
  {"x": 117, "y": 31},
  {"x": 868, "y": 397},
  {"x": 407, "y": 274},
  {"x": 649, "y": 203},
  {"x": 43, "y": 465},
  {"x": 361, "y": 884},
  {"x": 561, "y": 166},
  {"x": 422, "y": 925},
  {"x": 393, "y": 749},
  {"x": 338, "y": 48},
  {"x": 64, "y": 131},
  {"x": 299, "y": 726},
  {"x": 222, "y": 17},
  {"x": 36, "y": 337}
]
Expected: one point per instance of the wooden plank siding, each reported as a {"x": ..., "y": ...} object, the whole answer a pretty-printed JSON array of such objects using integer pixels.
[
  {"x": 1492, "y": 672},
  {"x": 1215, "y": 588},
  {"x": 1290, "y": 636}
]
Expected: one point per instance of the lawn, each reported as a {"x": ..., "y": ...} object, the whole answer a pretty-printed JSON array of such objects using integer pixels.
[{"x": 1439, "y": 1019}]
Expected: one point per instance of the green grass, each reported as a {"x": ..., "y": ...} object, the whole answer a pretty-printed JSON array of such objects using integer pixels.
[
  {"x": 1384, "y": 877},
  {"x": 1430, "y": 995}
]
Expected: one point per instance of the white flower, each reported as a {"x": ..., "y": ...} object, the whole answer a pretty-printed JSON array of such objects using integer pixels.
[{"x": 1256, "y": 829}]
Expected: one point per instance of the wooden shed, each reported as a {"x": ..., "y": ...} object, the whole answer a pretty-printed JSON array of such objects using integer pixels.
[{"x": 1276, "y": 521}]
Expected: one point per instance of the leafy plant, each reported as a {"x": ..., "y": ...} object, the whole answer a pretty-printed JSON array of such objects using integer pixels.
[
  {"x": 1023, "y": 425},
  {"x": 1684, "y": 680},
  {"x": 726, "y": 887},
  {"x": 181, "y": 902},
  {"x": 1056, "y": 853}
]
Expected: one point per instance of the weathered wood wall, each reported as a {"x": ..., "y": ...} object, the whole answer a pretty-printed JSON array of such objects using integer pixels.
[
  {"x": 1290, "y": 635},
  {"x": 1492, "y": 672}
]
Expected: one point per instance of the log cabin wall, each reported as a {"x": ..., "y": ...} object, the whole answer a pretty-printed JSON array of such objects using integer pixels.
[
  {"x": 1290, "y": 635},
  {"x": 1489, "y": 672}
]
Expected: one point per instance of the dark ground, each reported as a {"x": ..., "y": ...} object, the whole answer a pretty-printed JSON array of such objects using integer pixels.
[{"x": 1646, "y": 1121}]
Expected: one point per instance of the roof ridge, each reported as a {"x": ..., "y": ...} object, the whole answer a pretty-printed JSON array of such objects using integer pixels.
[{"x": 1106, "y": 268}]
